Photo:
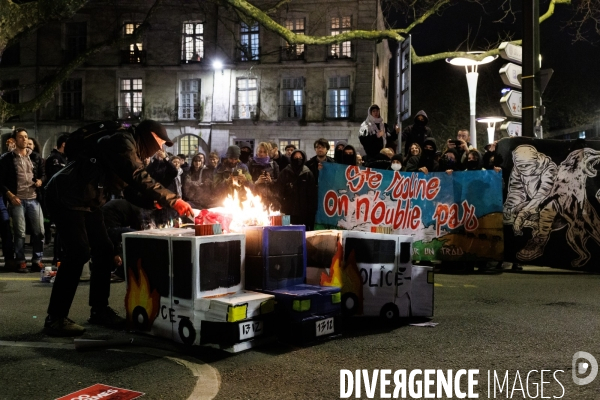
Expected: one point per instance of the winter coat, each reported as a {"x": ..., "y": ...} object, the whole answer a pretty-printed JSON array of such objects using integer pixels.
[
  {"x": 416, "y": 133},
  {"x": 297, "y": 190}
]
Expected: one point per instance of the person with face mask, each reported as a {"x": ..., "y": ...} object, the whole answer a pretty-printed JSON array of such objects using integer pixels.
[
  {"x": 338, "y": 152},
  {"x": 449, "y": 161},
  {"x": 396, "y": 164},
  {"x": 416, "y": 133},
  {"x": 473, "y": 161},
  {"x": 245, "y": 152},
  {"x": 427, "y": 161},
  {"x": 297, "y": 191},
  {"x": 75, "y": 196},
  {"x": 349, "y": 156}
]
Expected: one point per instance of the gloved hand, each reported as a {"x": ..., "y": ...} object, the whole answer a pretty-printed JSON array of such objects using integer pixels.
[{"x": 183, "y": 208}]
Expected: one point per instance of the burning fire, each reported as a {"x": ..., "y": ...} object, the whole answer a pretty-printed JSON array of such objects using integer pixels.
[
  {"x": 345, "y": 276},
  {"x": 250, "y": 212},
  {"x": 139, "y": 295}
]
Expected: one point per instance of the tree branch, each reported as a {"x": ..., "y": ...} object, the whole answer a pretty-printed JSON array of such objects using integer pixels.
[{"x": 7, "y": 110}]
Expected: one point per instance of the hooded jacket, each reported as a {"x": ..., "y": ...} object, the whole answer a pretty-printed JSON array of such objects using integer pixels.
[
  {"x": 426, "y": 159},
  {"x": 416, "y": 133},
  {"x": 298, "y": 193}
]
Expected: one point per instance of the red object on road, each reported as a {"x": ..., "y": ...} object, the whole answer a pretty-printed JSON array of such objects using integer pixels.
[{"x": 104, "y": 392}]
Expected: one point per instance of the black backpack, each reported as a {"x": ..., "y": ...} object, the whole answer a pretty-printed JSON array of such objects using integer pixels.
[{"x": 83, "y": 141}]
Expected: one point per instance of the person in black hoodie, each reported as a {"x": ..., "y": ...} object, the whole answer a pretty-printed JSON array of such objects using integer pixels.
[
  {"x": 349, "y": 156},
  {"x": 427, "y": 160},
  {"x": 374, "y": 133},
  {"x": 338, "y": 152},
  {"x": 297, "y": 191},
  {"x": 417, "y": 132}
]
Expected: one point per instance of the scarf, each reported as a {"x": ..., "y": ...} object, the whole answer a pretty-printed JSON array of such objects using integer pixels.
[
  {"x": 372, "y": 124},
  {"x": 262, "y": 161}
]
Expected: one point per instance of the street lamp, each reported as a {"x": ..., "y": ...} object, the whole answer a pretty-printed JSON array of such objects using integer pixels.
[
  {"x": 218, "y": 65},
  {"x": 472, "y": 75},
  {"x": 491, "y": 128}
]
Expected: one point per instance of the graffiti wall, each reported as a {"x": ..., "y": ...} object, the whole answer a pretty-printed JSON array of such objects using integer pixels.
[
  {"x": 454, "y": 216},
  {"x": 551, "y": 201}
]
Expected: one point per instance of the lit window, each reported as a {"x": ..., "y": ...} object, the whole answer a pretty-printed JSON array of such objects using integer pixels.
[
  {"x": 131, "y": 98},
  {"x": 338, "y": 97},
  {"x": 193, "y": 42},
  {"x": 247, "y": 96},
  {"x": 188, "y": 145},
  {"x": 341, "y": 25},
  {"x": 249, "y": 38},
  {"x": 297, "y": 27}
]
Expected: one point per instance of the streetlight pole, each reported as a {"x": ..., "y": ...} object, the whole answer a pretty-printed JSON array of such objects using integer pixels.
[
  {"x": 491, "y": 126},
  {"x": 472, "y": 75}
]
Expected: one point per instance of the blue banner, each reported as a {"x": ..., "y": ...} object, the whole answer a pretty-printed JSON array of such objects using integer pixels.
[{"x": 454, "y": 216}]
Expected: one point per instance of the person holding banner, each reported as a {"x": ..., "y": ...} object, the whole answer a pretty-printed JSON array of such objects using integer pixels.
[{"x": 316, "y": 163}]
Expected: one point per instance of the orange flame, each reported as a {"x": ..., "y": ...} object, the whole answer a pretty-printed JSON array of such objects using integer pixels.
[
  {"x": 250, "y": 212},
  {"x": 344, "y": 275},
  {"x": 139, "y": 295}
]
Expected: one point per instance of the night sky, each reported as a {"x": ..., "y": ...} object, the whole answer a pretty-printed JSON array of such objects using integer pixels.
[{"x": 437, "y": 84}]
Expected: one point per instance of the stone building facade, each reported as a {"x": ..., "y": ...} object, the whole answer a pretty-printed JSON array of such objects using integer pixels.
[{"x": 210, "y": 78}]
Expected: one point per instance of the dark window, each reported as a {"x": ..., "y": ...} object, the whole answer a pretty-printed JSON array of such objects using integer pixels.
[
  {"x": 11, "y": 55},
  {"x": 71, "y": 107},
  {"x": 75, "y": 39},
  {"x": 182, "y": 269},
  {"x": 371, "y": 251},
  {"x": 10, "y": 91},
  {"x": 220, "y": 265}
]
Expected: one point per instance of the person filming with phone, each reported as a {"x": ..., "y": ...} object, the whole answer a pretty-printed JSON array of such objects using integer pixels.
[{"x": 462, "y": 146}]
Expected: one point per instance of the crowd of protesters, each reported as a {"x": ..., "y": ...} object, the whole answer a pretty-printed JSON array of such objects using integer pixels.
[{"x": 286, "y": 180}]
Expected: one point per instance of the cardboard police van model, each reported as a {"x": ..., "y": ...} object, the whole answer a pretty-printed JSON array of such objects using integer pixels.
[
  {"x": 374, "y": 272},
  {"x": 191, "y": 289},
  {"x": 276, "y": 264}
]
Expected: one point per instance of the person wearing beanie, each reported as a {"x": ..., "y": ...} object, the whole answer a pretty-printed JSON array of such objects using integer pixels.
[
  {"x": 374, "y": 134},
  {"x": 74, "y": 197},
  {"x": 297, "y": 191},
  {"x": 396, "y": 164},
  {"x": 231, "y": 175}
]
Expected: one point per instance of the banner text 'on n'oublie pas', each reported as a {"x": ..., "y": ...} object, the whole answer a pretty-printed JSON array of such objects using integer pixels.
[{"x": 454, "y": 216}]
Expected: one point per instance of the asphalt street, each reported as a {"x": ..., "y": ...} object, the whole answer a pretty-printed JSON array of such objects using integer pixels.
[{"x": 491, "y": 321}]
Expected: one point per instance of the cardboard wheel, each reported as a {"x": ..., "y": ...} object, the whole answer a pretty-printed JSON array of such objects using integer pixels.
[
  {"x": 186, "y": 330},
  {"x": 349, "y": 304},
  {"x": 140, "y": 318},
  {"x": 389, "y": 312}
]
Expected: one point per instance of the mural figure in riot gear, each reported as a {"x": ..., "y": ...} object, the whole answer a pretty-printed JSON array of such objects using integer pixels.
[
  {"x": 530, "y": 183},
  {"x": 545, "y": 198}
]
